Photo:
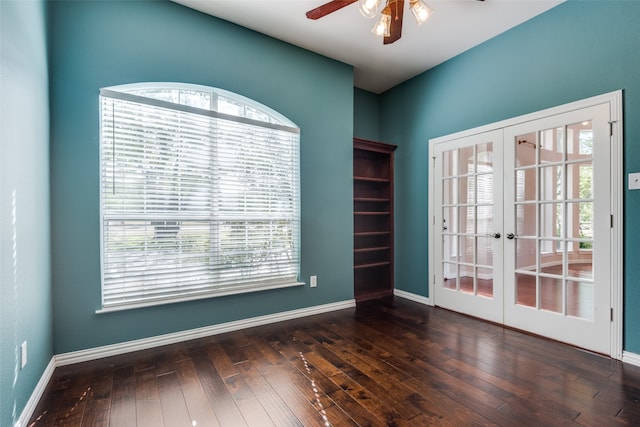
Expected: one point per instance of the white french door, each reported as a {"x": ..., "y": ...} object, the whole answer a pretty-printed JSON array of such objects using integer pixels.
[
  {"x": 470, "y": 223},
  {"x": 522, "y": 225},
  {"x": 557, "y": 223}
]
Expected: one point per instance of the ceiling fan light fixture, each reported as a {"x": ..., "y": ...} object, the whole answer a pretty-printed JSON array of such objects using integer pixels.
[
  {"x": 420, "y": 10},
  {"x": 368, "y": 8},
  {"x": 383, "y": 26}
]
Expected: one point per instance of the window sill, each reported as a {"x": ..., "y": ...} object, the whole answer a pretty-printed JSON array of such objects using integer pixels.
[{"x": 165, "y": 301}]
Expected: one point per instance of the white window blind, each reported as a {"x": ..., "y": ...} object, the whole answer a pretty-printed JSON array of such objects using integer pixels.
[{"x": 195, "y": 202}]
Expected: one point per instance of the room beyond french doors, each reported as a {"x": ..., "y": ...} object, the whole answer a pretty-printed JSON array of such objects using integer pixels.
[{"x": 522, "y": 226}]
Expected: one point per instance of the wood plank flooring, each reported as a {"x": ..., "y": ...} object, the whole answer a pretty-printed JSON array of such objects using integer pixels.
[{"x": 389, "y": 362}]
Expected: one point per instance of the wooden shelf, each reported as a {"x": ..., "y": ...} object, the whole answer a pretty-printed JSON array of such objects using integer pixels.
[
  {"x": 372, "y": 213},
  {"x": 373, "y": 264},
  {"x": 371, "y": 233},
  {"x": 372, "y": 249},
  {"x": 372, "y": 219},
  {"x": 370, "y": 179},
  {"x": 370, "y": 199}
]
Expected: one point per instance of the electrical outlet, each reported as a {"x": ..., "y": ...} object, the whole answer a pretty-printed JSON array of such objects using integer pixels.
[
  {"x": 23, "y": 355},
  {"x": 313, "y": 281}
]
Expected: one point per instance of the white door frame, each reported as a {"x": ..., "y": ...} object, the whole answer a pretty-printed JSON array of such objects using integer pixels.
[{"x": 614, "y": 99}]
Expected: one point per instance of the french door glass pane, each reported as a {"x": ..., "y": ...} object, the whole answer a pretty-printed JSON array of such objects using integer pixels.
[
  {"x": 551, "y": 294},
  {"x": 526, "y": 290},
  {"x": 551, "y": 220},
  {"x": 580, "y": 180},
  {"x": 449, "y": 191},
  {"x": 551, "y": 145},
  {"x": 580, "y": 299},
  {"x": 526, "y": 150},
  {"x": 580, "y": 137},
  {"x": 485, "y": 251},
  {"x": 526, "y": 254},
  {"x": 449, "y": 163},
  {"x": 551, "y": 183},
  {"x": 485, "y": 281},
  {"x": 525, "y": 184},
  {"x": 450, "y": 220}
]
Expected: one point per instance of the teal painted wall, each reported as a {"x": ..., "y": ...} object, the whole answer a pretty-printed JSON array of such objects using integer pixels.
[
  {"x": 366, "y": 114},
  {"x": 574, "y": 51},
  {"x": 99, "y": 44},
  {"x": 25, "y": 273}
]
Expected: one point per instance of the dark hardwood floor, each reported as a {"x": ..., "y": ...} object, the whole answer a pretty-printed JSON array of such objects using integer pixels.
[{"x": 387, "y": 362}]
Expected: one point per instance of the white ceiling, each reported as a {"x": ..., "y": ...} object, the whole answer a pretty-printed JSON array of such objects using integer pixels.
[{"x": 345, "y": 35}]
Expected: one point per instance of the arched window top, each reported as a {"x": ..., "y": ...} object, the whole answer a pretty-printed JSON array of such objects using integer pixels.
[{"x": 206, "y": 98}]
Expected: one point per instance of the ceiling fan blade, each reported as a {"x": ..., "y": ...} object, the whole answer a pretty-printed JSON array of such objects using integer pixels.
[
  {"x": 328, "y": 8},
  {"x": 397, "y": 12}
]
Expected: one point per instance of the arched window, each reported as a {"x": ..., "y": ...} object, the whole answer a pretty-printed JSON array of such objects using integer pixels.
[{"x": 199, "y": 194}]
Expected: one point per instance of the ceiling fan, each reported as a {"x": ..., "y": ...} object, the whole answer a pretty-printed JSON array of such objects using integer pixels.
[{"x": 390, "y": 23}]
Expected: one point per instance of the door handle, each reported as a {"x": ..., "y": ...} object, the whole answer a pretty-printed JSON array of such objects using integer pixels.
[
  {"x": 510, "y": 236},
  {"x": 494, "y": 235}
]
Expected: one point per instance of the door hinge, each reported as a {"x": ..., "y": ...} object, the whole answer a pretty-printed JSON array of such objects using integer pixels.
[
  {"x": 611, "y": 123},
  {"x": 610, "y": 221},
  {"x": 434, "y": 161},
  {"x": 611, "y": 314},
  {"x": 434, "y": 279}
]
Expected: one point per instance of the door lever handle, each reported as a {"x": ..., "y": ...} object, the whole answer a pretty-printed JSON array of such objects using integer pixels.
[
  {"x": 494, "y": 235},
  {"x": 510, "y": 236}
]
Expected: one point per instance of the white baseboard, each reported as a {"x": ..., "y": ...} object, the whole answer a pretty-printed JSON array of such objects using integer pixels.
[
  {"x": 35, "y": 397},
  {"x": 631, "y": 358},
  {"x": 412, "y": 297},
  {"x": 160, "y": 340}
]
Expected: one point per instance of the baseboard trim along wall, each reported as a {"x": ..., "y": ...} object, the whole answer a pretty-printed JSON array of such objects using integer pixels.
[
  {"x": 27, "y": 412},
  {"x": 411, "y": 296},
  {"x": 631, "y": 358},
  {"x": 160, "y": 340}
]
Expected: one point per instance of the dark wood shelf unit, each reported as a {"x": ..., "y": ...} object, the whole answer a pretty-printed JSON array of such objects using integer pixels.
[{"x": 372, "y": 219}]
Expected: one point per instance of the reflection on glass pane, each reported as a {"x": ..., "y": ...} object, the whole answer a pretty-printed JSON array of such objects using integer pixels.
[
  {"x": 449, "y": 160},
  {"x": 551, "y": 294},
  {"x": 484, "y": 254},
  {"x": 197, "y": 99},
  {"x": 484, "y": 157},
  {"x": 526, "y": 219},
  {"x": 581, "y": 265},
  {"x": 450, "y": 220},
  {"x": 485, "y": 281},
  {"x": 551, "y": 183},
  {"x": 466, "y": 161},
  {"x": 526, "y": 290},
  {"x": 467, "y": 220},
  {"x": 580, "y": 138},
  {"x": 466, "y": 279},
  {"x": 525, "y": 184},
  {"x": 467, "y": 191},
  {"x": 485, "y": 188},
  {"x": 526, "y": 149},
  {"x": 467, "y": 249},
  {"x": 450, "y": 275},
  {"x": 449, "y": 191},
  {"x": 580, "y": 181},
  {"x": 484, "y": 222},
  {"x": 526, "y": 254},
  {"x": 551, "y": 256},
  {"x": 580, "y": 220},
  {"x": 551, "y": 145},
  {"x": 551, "y": 220},
  {"x": 580, "y": 299},
  {"x": 449, "y": 248}
]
